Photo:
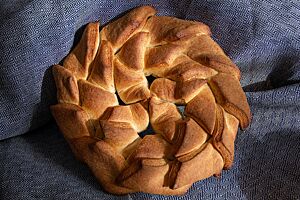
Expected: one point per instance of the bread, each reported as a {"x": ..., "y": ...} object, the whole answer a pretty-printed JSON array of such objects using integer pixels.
[{"x": 190, "y": 70}]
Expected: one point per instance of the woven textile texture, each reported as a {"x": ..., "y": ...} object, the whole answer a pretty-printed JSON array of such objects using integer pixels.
[{"x": 261, "y": 37}]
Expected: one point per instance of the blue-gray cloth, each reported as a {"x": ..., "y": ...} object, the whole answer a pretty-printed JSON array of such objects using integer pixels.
[{"x": 261, "y": 37}]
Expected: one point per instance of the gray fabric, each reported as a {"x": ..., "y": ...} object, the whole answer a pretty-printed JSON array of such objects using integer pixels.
[{"x": 262, "y": 38}]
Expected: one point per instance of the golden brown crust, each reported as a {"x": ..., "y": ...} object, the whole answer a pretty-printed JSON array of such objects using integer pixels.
[
  {"x": 106, "y": 165},
  {"x": 187, "y": 90},
  {"x": 143, "y": 183},
  {"x": 185, "y": 69},
  {"x": 119, "y": 31},
  {"x": 102, "y": 71},
  {"x": 191, "y": 171},
  {"x": 154, "y": 147},
  {"x": 117, "y": 114},
  {"x": 131, "y": 85},
  {"x": 160, "y": 58},
  {"x": 164, "y": 89},
  {"x": 193, "y": 71},
  {"x": 133, "y": 52},
  {"x": 118, "y": 134},
  {"x": 79, "y": 60},
  {"x": 203, "y": 44},
  {"x": 219, "y": 63},
  {"x": 167, "y": 29},
  {"x": 140, "y": 117},
  {"x": 230, "y": 95},
  {"x": 202, "y": 109},
  {"x": 66, "y": 85},
  {"x": 65, "y": 116},
  {"x": 126, "y": 77},
  {"x": 90, "y": 93},
  {"x": 180, "y": 92},
  {"x": 135, "y": 93},
  {"x": 163, "y": 117},
  {"x": 224, "y": 136},
  {"x": 193, "y": 137}
]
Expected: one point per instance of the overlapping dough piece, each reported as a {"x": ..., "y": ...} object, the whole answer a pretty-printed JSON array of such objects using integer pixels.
[
  {"x": 102, "y": 68},
  {"x": 180, "y": 92},
  {"x": 230, "y": 95},
  {"x": 119, "y": 31},
  {"x": 163, "y": 117},
  {"x": 66, "y": 85},
  {"x": 108, "y": 69},
  {"x": 131, "y": 85},
  {"x": 80, "y": 59}
]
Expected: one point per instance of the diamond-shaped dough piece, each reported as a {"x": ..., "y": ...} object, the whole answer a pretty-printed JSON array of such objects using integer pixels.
[
  {"x": 160, "y": 58},
  {"x": 179, "y": 92},
  {"x": 220, "y": 63},
  {"x": 132, "y": 53},
  {"x": 192, "y": 137},
  {"x": 187, "y": 90},
  {"x": 106, "y": 164},
  {"x": 230, "y": 95},
  {"x": 95, "y": 100},
  {"x": 135, "y": 114},
  {"x": 166, "y": 28},
  {"x": 164, "y": 89},
  {"x": 140, "y": 116},
  {"x": 135, "y": 93},
  {"x": 163, "y": 117},
  {"x": 102, "y": 68},
  {"x": 202, "y": 109},
  {"x": 205, "y": 164},
  {"x": 119, "y": 31},
  {"x": 185, "y": 69},
  {"x": 150, "y": 178},
  {"x": 66, "y": 114},
  {"x": 154, "y": 147},
  {"x": 66, "y": 84},
  {"x": 80, "y": 59},
  {"x": 118, "y": 134},
  {"x": 224, "y": 140}
]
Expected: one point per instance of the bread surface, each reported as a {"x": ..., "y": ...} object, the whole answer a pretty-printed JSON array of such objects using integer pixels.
[{"x": 190, "y": 70}]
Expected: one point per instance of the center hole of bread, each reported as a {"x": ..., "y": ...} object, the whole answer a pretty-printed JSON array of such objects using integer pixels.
[
  {"x": 150, "y": 79},
  {"x": 181, "y": 110},
  {"x": 149, "y": 131},
  {"x": 121, "y": 103}
]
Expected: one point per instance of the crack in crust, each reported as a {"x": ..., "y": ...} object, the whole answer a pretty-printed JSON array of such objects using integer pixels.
[{"x": 191, "y": 70}]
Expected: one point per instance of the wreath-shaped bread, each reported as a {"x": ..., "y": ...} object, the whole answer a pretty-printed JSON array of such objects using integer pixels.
[{"x": 190, "y": 70}]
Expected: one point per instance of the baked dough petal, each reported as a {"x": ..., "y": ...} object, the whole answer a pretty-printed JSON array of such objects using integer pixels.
[{"x": 80, "y": 59}]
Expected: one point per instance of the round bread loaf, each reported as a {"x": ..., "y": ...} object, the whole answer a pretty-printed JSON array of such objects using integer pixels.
[{"x": 191, "y": 70}]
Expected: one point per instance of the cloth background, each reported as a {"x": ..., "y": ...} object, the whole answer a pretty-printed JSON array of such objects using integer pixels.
[{"x": 261, "y": 37}]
